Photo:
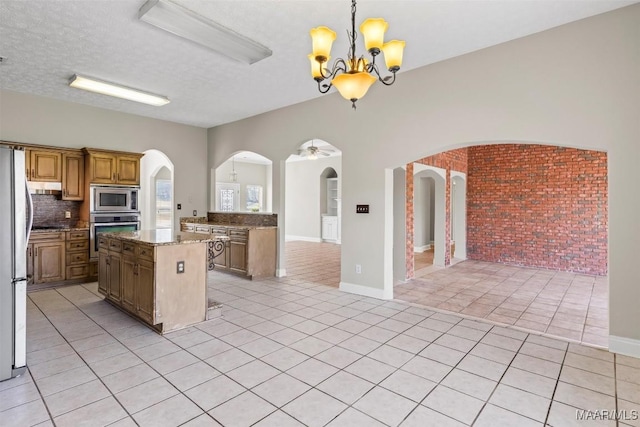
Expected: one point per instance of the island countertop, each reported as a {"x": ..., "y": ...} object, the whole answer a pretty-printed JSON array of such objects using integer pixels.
[{"x": 162, "y": 237}]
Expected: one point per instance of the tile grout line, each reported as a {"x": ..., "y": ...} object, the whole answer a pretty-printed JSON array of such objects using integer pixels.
[
  {"x": 83, "y": 360},
  {"x": 556, "y": 386}
]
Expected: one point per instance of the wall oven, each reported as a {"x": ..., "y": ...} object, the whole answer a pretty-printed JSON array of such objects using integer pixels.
[
  {"x": 103, "y": 222},
  {"x": 112, "y": 198}
]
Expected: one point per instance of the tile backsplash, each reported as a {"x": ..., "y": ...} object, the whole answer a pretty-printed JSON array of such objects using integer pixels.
[{"x": 48, "y": 210}]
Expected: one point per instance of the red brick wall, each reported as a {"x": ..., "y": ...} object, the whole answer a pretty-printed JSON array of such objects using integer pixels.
[{"x": 538, "y": 206}]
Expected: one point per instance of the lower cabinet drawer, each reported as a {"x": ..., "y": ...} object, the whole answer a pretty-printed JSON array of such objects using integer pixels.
[
  {"x": 77, "y": 245},
  {"x": 75, "y": 258},
  {"x": 77, "y": 271},
  {"x": 145, "y": 252}
]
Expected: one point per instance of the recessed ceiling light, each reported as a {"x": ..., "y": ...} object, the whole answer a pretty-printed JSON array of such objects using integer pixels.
[
  {"x": 185, "y": 23},
  {"x": 119, "y": 91}
]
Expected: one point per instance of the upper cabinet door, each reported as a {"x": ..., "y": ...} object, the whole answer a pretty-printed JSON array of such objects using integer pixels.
[
  {"x": 46, "y": 166},
  {"x": 102, "y": 168},
  {"x": 72, "y": 177},
  {"x": 128, "y": 170}
]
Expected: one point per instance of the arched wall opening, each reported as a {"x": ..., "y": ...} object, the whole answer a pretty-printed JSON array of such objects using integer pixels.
[
  {"x": 243, "y": 183},
  {"x": 429, "y": 212},
  {"x": 539, "y": 212},
  {"x": 312, "y": 215},
  {"x": 157, "y": 191}
]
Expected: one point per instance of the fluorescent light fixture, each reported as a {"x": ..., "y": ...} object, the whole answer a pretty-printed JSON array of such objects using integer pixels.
[
  {"x": 119, "y": 91},
  {"x": 185, "y": 23}
]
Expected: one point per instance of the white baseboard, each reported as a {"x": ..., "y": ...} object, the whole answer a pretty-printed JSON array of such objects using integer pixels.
[
  {"x": 420, "y": 249},
  {"x": 626, "y": 346},
  {"x": 366, "y": 291},
  {"x": 289, "y": 238},
  {"x": 281, "y": 272}
]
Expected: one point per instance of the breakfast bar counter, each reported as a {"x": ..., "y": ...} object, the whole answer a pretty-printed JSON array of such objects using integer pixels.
[{"x": 159, "y": 276}]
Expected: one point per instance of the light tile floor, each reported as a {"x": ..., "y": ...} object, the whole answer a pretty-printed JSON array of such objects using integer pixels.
[
  {"x": 567, "y": 305},
  {"x": 292, "y": 353},
  {"x": 316, "y": 262}
]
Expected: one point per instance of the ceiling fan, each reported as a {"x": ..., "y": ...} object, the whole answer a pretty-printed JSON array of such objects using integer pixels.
[{"x": 312, "y": 152}]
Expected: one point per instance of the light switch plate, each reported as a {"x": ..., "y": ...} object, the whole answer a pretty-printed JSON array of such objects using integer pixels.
[{"x": 362, "y": 209}]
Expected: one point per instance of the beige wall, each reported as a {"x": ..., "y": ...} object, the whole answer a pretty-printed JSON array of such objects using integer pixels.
[
  {"x": 38, "y": 120},
  {"x": 306, "y": 199},
  {"x": 575, "y": 85}
]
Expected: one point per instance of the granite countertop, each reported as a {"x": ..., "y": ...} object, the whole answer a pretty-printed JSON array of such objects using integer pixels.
[
  {"x": 163, "y": 237},
  {"x": 247, "y": 227},
  {"x": 57, "y": 229}
]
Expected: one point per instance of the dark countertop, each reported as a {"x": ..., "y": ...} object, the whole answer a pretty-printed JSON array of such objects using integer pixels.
[
  {"x": 218, "y": 224},
  {"x": 163, "y": 237},
  {"x": 57, "y": 229}
]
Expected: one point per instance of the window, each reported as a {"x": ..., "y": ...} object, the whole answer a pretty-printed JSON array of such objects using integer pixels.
[
  {"x": 226, "y": 199},
  {"x": 163, "y": 203},
  {"x": 254, "y": 198}
]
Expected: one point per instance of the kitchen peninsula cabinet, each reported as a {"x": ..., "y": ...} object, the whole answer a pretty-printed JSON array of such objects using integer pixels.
[
  {"x": 160, "y": 276},
  {"x": 112, "y": 167},
  {"x": 249, "y": 252}
]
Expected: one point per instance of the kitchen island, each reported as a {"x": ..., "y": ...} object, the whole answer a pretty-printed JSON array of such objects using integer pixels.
[{"x": 159, "y": 276}]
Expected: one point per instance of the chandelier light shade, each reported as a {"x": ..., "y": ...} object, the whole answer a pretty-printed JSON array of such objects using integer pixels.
[{"x": 354, "y": 75}]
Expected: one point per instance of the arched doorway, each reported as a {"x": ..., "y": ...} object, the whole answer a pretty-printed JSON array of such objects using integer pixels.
[
  {"x": 313, "y": 192},
  {"x": 156, "y": 186},
  {"x": 429, "y": 210}
]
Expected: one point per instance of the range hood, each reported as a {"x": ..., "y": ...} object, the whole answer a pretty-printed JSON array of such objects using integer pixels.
[{"x": 53, "y": 188}]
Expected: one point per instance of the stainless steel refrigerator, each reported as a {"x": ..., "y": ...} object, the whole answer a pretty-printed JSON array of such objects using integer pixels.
[{"x": 15, "y": 206}]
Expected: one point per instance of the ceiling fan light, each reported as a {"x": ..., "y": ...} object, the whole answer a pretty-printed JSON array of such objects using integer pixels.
[
  {"x": 322, "y": 39},
  {"x": 373, "y": 30},
  {"x": 393, "y": 51},
  {"x": 312, "y": 156},
  {"x": 106, "y": 88},
  {"x": 353, "y": 86}
]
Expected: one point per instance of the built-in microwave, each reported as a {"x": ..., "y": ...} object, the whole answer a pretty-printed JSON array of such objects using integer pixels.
[{"x": 111, "y": 198}]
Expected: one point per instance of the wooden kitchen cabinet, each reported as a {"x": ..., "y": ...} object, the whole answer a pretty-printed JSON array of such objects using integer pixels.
[
  {"x": 111, "y": 167},
  {"x": 109, "y": 269},
  {"x": 238, "y": 260},
  {"x": 126, "y": 276},
  {"x": 250, "y": 251},
  {"x": 48, "y": 262},
  {"x": 128, "y": 170},
  {"x": 77, "y": 254},
  {"x": 128, "y": 273},
  {"x": 46, "y": 165},
  {"x": 46, "y": 258},
  {"x": 72, "y": 176},
  {"x": 145, "y": 290}
]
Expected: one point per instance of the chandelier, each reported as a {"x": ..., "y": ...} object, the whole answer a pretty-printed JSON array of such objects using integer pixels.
[{"x": 354, "y": 76}]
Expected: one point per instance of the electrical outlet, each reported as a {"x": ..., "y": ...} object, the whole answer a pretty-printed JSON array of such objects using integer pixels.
[
  {"x": 179, "y": 206},
  {"x": 67, "y": 214},
  {"x": 195, "y": 212},
  {"x": 180, "y": 267},
  {"x": 358, "y": 269}
]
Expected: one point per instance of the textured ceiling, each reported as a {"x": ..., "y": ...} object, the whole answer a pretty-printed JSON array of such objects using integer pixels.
[{"x": 45, "y": 42}]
